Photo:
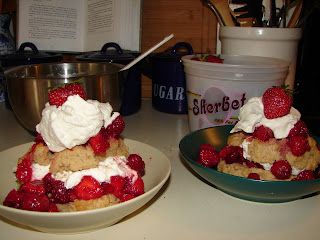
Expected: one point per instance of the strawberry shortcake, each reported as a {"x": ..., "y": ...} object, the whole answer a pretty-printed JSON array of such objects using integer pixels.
[
  {"x": 78, "y": 160},
  {"x": 269, "y": 142}
]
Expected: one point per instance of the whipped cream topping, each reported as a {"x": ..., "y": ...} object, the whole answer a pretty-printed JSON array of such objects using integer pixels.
[
  {"x": 74, "y": 122},
  {"x": 251, "y": 115},
  {"x": 111, "y": 166}
]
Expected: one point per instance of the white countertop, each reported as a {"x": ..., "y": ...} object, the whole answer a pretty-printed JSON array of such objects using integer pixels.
[{"x": 187, "y": 207}]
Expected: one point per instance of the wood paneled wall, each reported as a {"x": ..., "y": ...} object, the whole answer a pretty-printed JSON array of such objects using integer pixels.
[{"x": 189, "y": 20}]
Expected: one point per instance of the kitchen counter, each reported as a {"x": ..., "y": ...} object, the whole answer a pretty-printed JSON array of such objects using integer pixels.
[{"x": 187, "y": 207}]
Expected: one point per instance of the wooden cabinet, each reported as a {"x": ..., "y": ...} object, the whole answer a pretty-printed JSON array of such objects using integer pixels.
[{"x": 189, "y": 20}]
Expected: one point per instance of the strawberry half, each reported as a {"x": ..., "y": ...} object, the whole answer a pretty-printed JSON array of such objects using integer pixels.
[
  {"x": 24, "y": 170},
  {"x": 116, "y": 127},
  {"x": 276, "y": 102},
  {"x": 136, "y": 163},
  {"x": 88, "y": 188},
  {"x": 99, "y": 142},
  {"x": 59, "y": 96},
  {"x": 208, "y": 156}
]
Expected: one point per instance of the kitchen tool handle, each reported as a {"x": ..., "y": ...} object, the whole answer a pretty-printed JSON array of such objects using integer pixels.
[
  {"x": 111, "y": 45},
  {"x": 181, "y": 45},
  {"x": 295, "y": 15},
  {"x": 29, "y": 45}
]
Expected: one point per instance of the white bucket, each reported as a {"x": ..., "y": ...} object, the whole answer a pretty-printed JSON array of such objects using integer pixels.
[
  {"x": 215, "y": 91},
  {"x": 266, "y": 42}
]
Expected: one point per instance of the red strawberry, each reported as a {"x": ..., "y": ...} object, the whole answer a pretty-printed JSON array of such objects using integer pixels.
[
  {"x": 251, "y": 164},
  {"x": 59, "y": 95},
  {"x": 56, "y": 190},
  {"x": 231, "y": 154},
  {"x": 88, "y": 188},
  {"x": 208, "y": 156},
  {"x": 99, "y": 142},
  {"x": 118, "y": 184},
  {"x": 24, "y": 170},
  {"x": 255, "y": 176},
  {"x": 13, "y": 199},
  {"x": 298, "y": 145},
  {"x": 53, "y": 208},
  {"x": 276, "y": 102},
  {"x": 136, "y": 188},
  {"x": 39, "y": 139},
  {"x": 299, "y": 128},
  {"x": 281, "y": 169},
  {"x": 214, "y": 59},
  {"x": 107, "y": 187},
  {"x": 126, "y": 197},
  {"x": 136, "y": 163},
  {"x": 116, "y": 127},
  {"x": 305, "y": 175},
  {"x": 33, "y": 202},
  {"x": 262, "y": 133},
  {"x": 35, "y": 187}
]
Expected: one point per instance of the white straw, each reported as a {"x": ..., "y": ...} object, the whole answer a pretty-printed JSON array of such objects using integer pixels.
[{"x": 129, "y": 65}]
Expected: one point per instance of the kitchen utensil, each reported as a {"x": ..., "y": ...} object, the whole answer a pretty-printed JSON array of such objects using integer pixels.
[
  {"x": 247, "y": 12},
  {"x": 157, "y": 167},
  {"x": 28, "y": 86},
  {"x": 143, "y": 55},
  {"x": 222, "y": 11},
  {"x": 111, "y": 52},
  {"x": 295, "y": 15}
]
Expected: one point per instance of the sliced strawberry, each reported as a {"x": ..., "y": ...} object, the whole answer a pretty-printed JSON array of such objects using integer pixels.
[
  {"x": 214, "y": 59},
  {"x": 304, "y": 175},
  {"x": 76, "y": 89},
  {"x": 136, "y": 188},
  {"x": 118, "y": 184},
  {"x": 126, "y": 197},
  {"x": 53, "y": 207},
  {"x": 300, "y": 128},
  {"x": 13, "y": 199},
  {"x": 262, "y": 133},
  {"x": 276, "y": 102},
  {"x": 208, "y": 156},
  {"x": 88, "y": 188},
  {"x": 232, "y": 154},
  {"x": 56, "y": 190},
  {"x": 136, "y": 163},
  {"x": 116, "y": 127},
  {"x": 255, "y": 176},
  {"x": 24, "y": 170},
  {"x": 33, "y": 202},
  {"x": 281, "y": 169},
  {"x": 35, "y": 187},
  {"x": 298, "y": 145},
  {"x": 99, "y": 142}
]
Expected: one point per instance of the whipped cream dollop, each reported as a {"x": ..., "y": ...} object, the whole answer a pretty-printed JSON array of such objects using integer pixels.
[
  {"x": 74, "y": 122},
  {"x": 111, "y": 166},
  {"x": 251, "y": 115}
]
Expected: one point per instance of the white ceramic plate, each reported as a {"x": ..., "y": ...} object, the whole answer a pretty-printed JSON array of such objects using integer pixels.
[{"x": 158, "y": 170}]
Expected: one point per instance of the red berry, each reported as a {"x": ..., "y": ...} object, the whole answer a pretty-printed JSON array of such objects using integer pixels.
[
  {"x": 136, "y": 188},
  {"x": 56, "y": 190},
  {"x": 276, "y": 102},
  {"x": 24, "y": 170},
  {"x": 208, "y": 156},
  {"x": 116, "y": 127},
  {"x": 126, "y": 197},
  {"x": 281, "y": 169},
  {"x": 262, "y": 133},
  {"x": 213, "y": 59},
  {"x": 232, "y": 154},
  {"x": 59, "y": 96},
  {"x": 99, "y": 142},
  {"x": 53, "y": 208},
  {"x": 118, "y": 184},
  {"x": 33, "y": 202},
  {"x": 35, "y": 187},
  {"x": 305, "y": 175},
  {"x": 136, "y": 163},
  {"x": 251, "y": 164},
  {"x": 299, "y": 128},
  {"x": 13, "y": 199},
  {"x": 255, "y": 176},
  {"x": 298, "y": 145},
  {"x": 88, "y": 188},
  {"x": 107, "y": 187}
]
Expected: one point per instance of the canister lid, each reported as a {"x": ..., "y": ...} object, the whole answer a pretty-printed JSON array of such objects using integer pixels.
[
  {"x": 110, "y": 52},
  {"x": 26, "y": 57},
  {"x": 175, "y": 53}
]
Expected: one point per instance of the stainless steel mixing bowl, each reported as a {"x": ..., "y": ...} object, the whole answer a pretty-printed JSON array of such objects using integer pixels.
[{"x": 28, "y": 86}]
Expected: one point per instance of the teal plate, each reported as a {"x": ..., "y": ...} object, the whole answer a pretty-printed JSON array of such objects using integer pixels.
[{"x": 240, "y": 187}]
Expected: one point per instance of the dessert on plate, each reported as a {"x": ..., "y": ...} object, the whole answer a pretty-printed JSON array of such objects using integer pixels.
[
  {"x": 269, "y": 142},
  {"x": 78, "y": 160}
]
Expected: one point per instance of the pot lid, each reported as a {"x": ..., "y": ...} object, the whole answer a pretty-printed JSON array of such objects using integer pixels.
[
  {"x": 25, "y": 57},
  {"x": 175, "y": 53},
  {"x": 110, "y": 52}
]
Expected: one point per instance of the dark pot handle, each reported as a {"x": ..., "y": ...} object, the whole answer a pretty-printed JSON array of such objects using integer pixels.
[
  {"x": 29, "y": 45},
  {"x": 111, "y": 45},
  {"x": 175, "y": 49}
]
